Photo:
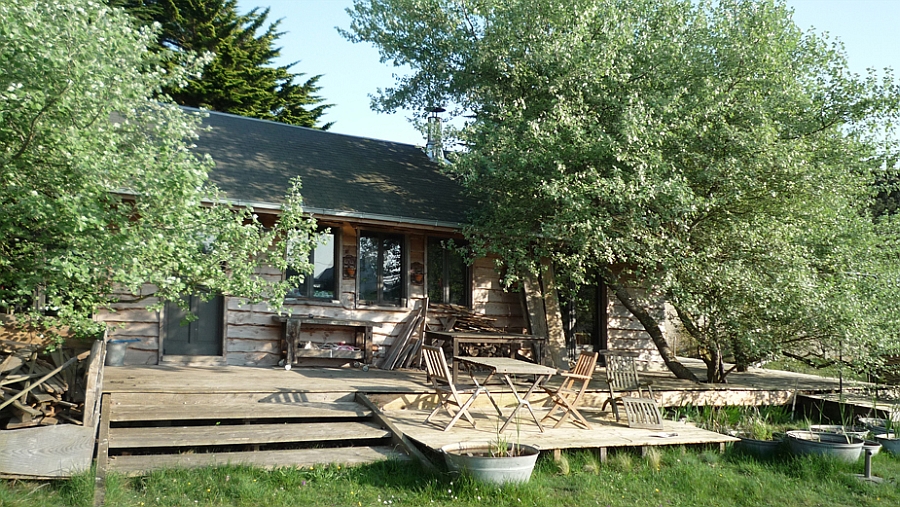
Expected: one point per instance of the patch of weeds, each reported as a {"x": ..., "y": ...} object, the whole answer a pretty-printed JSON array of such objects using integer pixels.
[
  {"x": 653, "y": 457},
  {"x": 621, "y": 461},
  {"x": 562, "y": 464}
]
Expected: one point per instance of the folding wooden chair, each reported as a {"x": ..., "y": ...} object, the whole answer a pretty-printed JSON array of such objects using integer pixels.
[
  {"x": 622, "y": 376},
  {"x": 642, "y": 413},
  {"x": 568, "y": 395},
  {"x": 448, "y": 394}
]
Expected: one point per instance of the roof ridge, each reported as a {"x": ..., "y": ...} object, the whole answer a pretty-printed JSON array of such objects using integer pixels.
[{"x": 309, "y": 129}]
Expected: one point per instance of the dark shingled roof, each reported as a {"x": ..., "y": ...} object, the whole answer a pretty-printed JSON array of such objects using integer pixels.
[{"x": 256, "y": 159}]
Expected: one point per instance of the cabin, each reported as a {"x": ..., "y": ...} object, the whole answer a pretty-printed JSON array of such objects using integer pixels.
[{"x": 393, "y": 219}]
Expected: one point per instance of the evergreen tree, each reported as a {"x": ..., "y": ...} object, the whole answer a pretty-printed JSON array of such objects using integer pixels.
[{"x": 240, "y": 79}]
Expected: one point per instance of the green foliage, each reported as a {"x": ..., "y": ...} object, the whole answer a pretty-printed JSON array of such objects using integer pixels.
[
  {"x": 240, "y": 78},
  {"x": 100, "y": 190},
  {"x": 710, "y": 151}
]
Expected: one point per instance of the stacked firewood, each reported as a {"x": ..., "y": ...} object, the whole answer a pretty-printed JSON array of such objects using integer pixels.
[
  {"x": 460, "y": 318},
  {"x": 39, "y": 388}
]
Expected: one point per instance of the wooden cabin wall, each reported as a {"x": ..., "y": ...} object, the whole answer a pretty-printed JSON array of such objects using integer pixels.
[
  {"x": 129, "y": 319},
  {"x": 489, "y": 298},
  {"x": 625, "y": 332},
  {"x": 254, "y": 338}
]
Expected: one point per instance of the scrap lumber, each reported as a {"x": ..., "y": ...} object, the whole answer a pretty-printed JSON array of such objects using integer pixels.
[
  {"x": 39, "y": 389},
  {"x": 39, "y": 382},
  {"x": 400, "y": 348}
]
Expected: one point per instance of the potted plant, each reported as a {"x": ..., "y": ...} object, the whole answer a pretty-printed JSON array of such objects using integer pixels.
[
  {"x": 843, "y": 447},
  {"x": 498, "y": 461},
  {"x": 761, "y": 433},
  {"x": 890, "y": 439}
]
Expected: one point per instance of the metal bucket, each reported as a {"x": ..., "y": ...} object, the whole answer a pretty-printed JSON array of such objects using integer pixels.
[
  {"x": 843, "y": 447},
  {"x": 115, "y": 351}
]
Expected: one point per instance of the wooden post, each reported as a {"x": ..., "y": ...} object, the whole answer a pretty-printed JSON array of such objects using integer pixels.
[
  {"x": 94, "y": 383},
  {"x": 102, "y": 452}
]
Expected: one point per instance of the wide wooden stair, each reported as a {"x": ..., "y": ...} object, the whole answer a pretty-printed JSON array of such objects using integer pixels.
[{"x": 140, "y": 432}]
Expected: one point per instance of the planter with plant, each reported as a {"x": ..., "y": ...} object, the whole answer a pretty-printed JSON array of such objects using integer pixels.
[
  {"x": 759, "y": 438},
  {"x": 498, "y": 461},
  {"x": 890, "y": 439}
]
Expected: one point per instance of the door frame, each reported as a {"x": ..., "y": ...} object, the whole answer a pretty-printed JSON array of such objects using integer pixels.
[{"x": 162, "y": 334}]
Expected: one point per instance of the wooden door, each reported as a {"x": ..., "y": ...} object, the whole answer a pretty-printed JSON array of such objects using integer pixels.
[{"x": 200, "y": 337}]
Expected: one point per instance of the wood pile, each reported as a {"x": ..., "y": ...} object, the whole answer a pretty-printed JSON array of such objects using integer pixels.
[
  {"x": 460, "y": 318},
  {"x": 39, "y": 388}
]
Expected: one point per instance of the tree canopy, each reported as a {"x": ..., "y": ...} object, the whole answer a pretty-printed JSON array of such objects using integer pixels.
[
  {"x": 709, "y": 151},
  {"x": 100, "y": 189},
  {"x": 241, "y": 78}
]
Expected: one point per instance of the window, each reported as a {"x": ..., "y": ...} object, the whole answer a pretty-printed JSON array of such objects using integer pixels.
[
  {"x": 381, "y": 280},
  {"x": 321, "y": 284},
  {"x": 448, "y": 275}
]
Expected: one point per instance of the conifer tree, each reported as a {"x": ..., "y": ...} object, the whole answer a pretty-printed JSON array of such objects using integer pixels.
[{"x": 241, "y": 78}]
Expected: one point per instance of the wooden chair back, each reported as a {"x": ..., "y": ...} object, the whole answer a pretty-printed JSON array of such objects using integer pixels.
[
  {"x": 583, "y": 370},
  {"x": 436, "y": 365},
  {"x": 622, "y": 374}
]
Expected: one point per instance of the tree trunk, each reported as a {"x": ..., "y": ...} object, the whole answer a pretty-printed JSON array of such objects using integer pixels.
[
  {"x": 652, "y": 327},
  {"x": 715, "y": 369}
]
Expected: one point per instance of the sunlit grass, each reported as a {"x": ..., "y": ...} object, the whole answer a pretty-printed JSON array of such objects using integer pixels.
[{"x": 664, "y": 477}]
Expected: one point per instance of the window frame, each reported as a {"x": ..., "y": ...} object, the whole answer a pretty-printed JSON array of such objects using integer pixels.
[
  {"x": 445, "y": 276},
  {"x": 308, "y": 292},
  {"x": 379, "y": 300}
]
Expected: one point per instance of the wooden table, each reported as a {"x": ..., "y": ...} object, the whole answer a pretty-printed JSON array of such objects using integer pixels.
[
  {"x": 456, "y": 338},
  {"x": 292, "y": 325},
  {"x": 505, "y": 366}
]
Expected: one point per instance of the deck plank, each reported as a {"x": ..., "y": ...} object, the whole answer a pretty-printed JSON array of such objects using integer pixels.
[
  {"x": 136, "y": 465},
  {"x": 606, "y": 433},
  {"x": 188, "y": 436},
  {"x": 169, "y": 412}
]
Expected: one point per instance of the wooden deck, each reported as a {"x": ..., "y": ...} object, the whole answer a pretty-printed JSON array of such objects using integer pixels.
[{"x": 162, "y": 409}]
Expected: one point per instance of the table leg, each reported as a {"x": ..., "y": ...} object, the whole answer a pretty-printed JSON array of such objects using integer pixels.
[
  {"x": 455, "y": 363},
  {"x": 523, "y": 401},
  {"x": 482, "y": 388},
  {"x": 291, "y": 336}
]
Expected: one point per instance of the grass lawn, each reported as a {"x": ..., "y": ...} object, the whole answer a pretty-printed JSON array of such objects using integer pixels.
[{"x": 674, "y": 477}]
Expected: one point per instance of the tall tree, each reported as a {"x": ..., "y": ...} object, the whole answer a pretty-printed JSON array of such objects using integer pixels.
[
  {"x": 709, "y": 151},
  {"x": 241, "y": 77},
  {"x": 99, "y": 189}
]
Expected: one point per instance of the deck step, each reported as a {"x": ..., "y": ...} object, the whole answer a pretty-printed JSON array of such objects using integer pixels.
[
  {"x": 242, "y": 434},
  {"x": 138, "y": 465},
  {"x": 186, "y": 412},
  {"x": 159, "y": 430}
]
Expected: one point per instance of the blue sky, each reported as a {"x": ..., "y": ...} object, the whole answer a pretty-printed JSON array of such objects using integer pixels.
[{"x": 351, "y": 72}]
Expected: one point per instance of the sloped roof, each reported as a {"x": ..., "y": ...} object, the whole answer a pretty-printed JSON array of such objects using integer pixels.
[{"x": 341, "y": 174}]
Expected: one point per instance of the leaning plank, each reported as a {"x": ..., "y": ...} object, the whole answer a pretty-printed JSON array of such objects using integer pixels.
[
  {"x": 137, "y": 465},
  {"x": 193, "y": 436},
  {"x": 167, "y": 412},
  {"x": 397, "y": 437},
  {"x": 39, "y": 382},
  {"x": 49, "y": 451},
  {"x": 398, "y": 343}
]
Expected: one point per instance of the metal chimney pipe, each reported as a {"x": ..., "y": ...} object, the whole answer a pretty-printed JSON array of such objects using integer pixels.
[{"x": 434, "y": 146}]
